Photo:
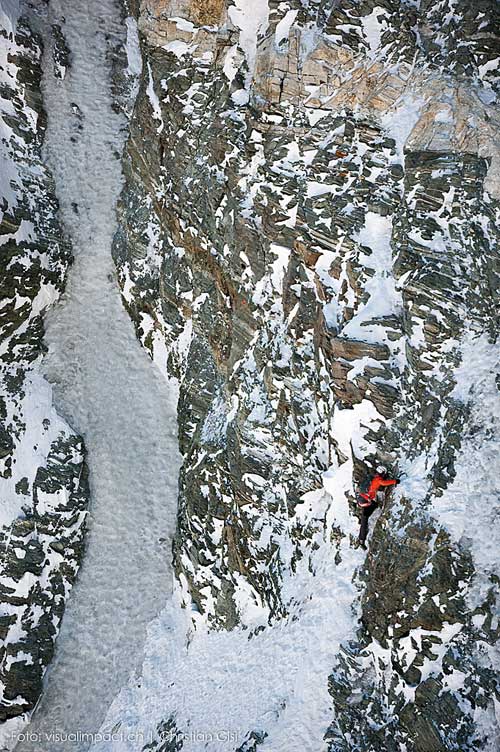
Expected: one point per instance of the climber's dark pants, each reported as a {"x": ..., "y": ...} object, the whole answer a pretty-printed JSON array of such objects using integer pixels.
[{"x": 365, "y": 516}]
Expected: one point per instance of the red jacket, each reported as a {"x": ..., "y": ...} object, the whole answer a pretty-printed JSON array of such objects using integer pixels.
[{"x": 376, "y": 483}]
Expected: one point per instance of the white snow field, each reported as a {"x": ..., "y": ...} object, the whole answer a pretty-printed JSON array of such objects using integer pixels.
[
  {"x": 218, "y": 686},
  {"x": 107, "y": 388}
]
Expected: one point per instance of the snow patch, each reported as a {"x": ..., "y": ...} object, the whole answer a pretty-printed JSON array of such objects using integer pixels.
[
  {"x": 373, "y": 27},
  {"x": 9, "y": 14},
  {"x": 282, "y": 31},
  {"x": 470, "y": 505},
  {"x": 155, "y": 102},
  {"x": 251, "y": 17},
  {"x": 400, "y": 120}
]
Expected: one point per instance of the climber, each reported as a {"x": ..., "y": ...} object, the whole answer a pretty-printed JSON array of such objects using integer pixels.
[{"x": 367, "y": 499}]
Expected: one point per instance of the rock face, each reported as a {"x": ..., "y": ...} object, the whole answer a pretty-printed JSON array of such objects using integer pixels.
[
  {"x": 43, "y": 476},
  {"x": 307, "y": 241}
]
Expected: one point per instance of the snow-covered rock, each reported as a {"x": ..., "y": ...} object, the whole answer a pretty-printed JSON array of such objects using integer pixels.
[
  {"x": 43, "y": 476},
  {"x": 307, "y": 241}
]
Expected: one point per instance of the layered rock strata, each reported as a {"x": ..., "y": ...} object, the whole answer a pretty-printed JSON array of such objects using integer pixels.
[{"x": 307, "y": 241}]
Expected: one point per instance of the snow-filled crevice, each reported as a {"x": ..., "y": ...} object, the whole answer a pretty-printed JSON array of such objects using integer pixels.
[{"x": 108, "y": 389}]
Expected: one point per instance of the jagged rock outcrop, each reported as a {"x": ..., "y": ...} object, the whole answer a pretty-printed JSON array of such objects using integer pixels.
[
  {"x": 307, "y": 241},
  {"x": 43, "y": 477}
]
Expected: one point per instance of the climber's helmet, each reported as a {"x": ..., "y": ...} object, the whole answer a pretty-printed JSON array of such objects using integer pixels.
[{"x": 381, "y": 470}]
